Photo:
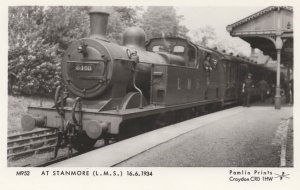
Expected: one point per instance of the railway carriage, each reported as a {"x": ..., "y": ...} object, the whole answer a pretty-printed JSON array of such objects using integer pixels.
[{"x": 116, "y": 91}]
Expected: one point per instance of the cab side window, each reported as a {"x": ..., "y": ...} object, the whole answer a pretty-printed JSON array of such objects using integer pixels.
[
  {"x": 159, "y": 48},
  {"x": 178, "y": 49}
]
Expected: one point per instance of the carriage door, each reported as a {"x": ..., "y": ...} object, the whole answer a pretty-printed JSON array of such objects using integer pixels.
[{"x": 242, "y": 72}]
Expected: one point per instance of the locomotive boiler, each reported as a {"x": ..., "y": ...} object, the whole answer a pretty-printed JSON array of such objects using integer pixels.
[{"x": 112, "y": 91}]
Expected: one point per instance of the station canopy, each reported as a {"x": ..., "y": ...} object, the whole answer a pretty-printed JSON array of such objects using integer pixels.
[{"x": 260, "y": 31}]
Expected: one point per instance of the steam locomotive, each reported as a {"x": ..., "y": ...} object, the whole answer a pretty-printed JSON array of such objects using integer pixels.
[{"x": 111, "y": 91}]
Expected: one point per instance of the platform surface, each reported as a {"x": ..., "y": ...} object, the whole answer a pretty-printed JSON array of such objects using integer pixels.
[
  {"x": 239, "y": 136},
  {"x": 251, "y": 138}
]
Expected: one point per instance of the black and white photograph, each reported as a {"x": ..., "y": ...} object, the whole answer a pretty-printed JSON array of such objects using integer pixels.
[{"x": 146, "y": 92}]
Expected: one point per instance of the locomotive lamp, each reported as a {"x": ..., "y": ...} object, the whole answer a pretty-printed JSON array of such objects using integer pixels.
[{"x": 83, "y": 49}]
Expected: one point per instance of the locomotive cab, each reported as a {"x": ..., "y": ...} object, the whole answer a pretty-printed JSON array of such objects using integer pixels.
[{"x": 185, "y": 53}]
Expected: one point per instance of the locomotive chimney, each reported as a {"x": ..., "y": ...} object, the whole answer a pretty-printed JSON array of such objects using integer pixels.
[{"x": 98, "y": 22}]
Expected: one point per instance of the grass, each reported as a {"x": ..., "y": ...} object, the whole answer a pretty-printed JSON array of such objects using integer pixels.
[{"x": 17, "y": 107}]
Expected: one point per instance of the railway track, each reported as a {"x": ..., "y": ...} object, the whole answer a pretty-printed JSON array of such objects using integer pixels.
[
  {"x": 25, "y": 145},
  {"x": 30, "y": 143},
  {"x": 50, "y": 161}
]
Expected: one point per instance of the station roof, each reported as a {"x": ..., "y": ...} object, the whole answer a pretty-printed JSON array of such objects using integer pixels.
[{"x": 260, "y": 30}]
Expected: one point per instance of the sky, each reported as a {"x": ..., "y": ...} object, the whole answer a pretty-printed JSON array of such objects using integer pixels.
[{"x": 218, "y": 18}]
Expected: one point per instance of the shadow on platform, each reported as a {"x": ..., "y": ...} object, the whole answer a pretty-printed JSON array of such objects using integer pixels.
[{"x": 269, "y": 103}]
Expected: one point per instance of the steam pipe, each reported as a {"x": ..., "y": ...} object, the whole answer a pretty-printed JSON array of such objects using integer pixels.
[
  {"x": 134, "y": 76},
  {"x": 139, "y": 90}
]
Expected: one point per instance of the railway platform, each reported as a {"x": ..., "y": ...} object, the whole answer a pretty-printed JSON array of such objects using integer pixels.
[{"x": 258, "y": 136}]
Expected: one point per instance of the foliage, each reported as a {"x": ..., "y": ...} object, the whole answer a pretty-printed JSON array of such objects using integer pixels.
[
  {"x": 204, "y": 35},
  {"x": 64, "y": 24},
  {"x": 228, "y": 45},
  {"x": 128, "y": 15},
  {"x": 120, "y": 18},
  {"x": 163, "y": 21},
  {"x": 31, "y": 60}
]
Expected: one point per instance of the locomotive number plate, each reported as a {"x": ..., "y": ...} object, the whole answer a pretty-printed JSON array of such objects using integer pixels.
[{"x": 85, "y": 68}]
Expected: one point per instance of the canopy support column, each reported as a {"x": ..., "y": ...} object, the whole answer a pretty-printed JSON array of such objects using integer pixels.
[{"x": 278, "y": 44}]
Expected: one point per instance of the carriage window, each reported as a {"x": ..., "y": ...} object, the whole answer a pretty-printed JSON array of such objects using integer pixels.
[
  {"x": 189, "y": 83},
  {"x": 178, "y": 49},
  {"x": 178, "y": 84}
]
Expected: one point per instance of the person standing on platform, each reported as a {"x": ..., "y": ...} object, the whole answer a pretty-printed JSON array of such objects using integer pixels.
[
  {"x": 291, "y": 88},
  {"x": 263, "y": 87},
  {"x": 246, "y": 90}
]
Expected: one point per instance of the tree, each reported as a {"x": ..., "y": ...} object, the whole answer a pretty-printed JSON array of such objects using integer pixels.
[
  {"x": 63, "y": 24},
  {"x": 128, "y": 15},
  {"x": 204, "y": 35},
  {"x": 31, "y": 62},
  {"x": 226, "y": 44},
  {"x": 38, "y": 37},
  {"x": 162, "y": 21}
]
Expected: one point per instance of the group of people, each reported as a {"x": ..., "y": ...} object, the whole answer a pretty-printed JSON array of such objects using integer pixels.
[
  {"x": 264, "y": 90},
  {"x": 248, "y": 85}
]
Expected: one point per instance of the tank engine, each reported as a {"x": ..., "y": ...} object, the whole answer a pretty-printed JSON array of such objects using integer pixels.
[
  {"x": 99, "y": 76},
  {"x": 115, "y": 91}
]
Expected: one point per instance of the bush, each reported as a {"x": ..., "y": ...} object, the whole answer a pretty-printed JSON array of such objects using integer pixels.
[{"x": 38, "y": 37}]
